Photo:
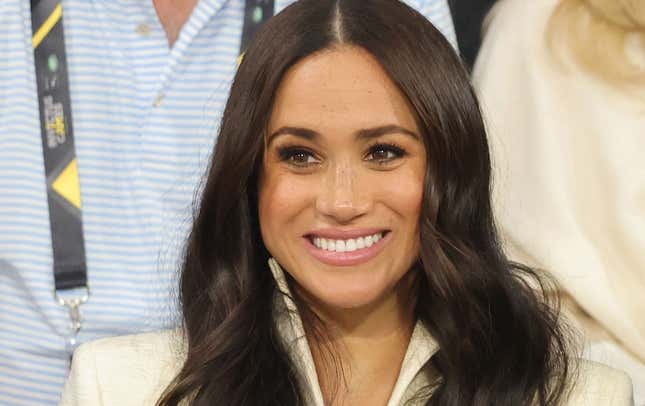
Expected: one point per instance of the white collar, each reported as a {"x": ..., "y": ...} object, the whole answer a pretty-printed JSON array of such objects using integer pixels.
[{"x": 420, "y": 349}]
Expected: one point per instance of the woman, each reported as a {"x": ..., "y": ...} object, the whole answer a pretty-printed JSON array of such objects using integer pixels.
[
  {"x": 562, "y": 83},
  {"x": 352, "y": 158}
]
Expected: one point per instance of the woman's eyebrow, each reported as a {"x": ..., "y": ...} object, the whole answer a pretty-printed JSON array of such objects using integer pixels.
[
  {"x": 366, "y": 133},
  {"x": 301, "y": 132},
  {"x": 376, "y": 132}
]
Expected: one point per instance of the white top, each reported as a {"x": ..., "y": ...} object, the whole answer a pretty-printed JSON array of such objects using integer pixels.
[
  {"x": 568, "y": 151},
  {"x": 144, "y": 122},
  {"x": 135, "y": 370}
]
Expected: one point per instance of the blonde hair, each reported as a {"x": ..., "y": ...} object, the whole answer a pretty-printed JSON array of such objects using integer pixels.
[{"x": 606, "y": 37}]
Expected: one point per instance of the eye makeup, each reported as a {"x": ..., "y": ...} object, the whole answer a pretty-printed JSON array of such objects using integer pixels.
[
  {"x": 384, "y": 152},
  {"x": 380, "y": 153},
  {"x": 297, "y": 156}
]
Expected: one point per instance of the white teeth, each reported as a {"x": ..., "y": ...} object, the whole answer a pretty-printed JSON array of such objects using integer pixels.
[{"x": 349, "y": 245}]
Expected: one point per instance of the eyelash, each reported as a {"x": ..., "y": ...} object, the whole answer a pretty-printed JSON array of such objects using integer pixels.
[
  {"x": 288, "y": 153},
  {"x": 396, "y": 150}
]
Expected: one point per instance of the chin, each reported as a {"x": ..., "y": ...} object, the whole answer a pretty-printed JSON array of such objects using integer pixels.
[{"x": 346, "y": 293}]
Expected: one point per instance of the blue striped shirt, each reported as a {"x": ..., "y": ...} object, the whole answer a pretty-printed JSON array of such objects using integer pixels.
[{"x": 144, "y": 120}]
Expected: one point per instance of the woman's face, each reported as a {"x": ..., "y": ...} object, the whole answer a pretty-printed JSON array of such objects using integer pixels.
[{"x": 342, "y": 181}]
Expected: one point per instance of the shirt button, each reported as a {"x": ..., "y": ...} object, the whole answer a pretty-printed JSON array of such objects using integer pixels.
[
  {"x": 158, "y": 100},
  {"x": 143, "y": 29}
]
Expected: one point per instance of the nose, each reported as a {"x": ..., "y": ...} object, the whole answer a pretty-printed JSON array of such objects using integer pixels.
[{"x": 342, "y": 197}]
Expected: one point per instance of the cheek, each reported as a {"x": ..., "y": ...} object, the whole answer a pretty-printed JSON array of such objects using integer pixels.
[
  {"x": 282, "y": 198},
  {"x": 402, "y": 193}
]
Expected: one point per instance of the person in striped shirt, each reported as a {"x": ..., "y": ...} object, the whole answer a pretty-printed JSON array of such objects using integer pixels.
[{"x": 148, "y": 81}]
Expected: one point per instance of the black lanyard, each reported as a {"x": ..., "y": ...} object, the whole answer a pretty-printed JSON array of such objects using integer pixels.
[
  {"x": 61, "y": 169},
  {"x": 57, "y": 134}
]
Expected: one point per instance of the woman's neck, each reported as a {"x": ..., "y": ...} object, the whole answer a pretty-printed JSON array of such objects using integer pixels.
[{"x": 369, "y": 344}]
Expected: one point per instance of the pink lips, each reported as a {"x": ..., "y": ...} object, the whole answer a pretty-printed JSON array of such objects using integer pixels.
[{"x": 346, "y": 258}]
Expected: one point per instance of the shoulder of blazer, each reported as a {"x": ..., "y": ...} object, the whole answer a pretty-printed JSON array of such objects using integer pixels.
[
  {"x": 159, "y": 348},
  {"x": 598, "y": 384},
  {"x": 126, "y": 370}
]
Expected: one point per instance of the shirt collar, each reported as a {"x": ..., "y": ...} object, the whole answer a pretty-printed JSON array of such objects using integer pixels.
[{"x": 420, "y": 349}]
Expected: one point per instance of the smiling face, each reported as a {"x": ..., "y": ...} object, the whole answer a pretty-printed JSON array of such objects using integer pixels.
[{"x": 342, "y": 180}]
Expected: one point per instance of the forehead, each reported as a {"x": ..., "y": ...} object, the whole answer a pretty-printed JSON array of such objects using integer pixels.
[{"x": 337, "y": 90}]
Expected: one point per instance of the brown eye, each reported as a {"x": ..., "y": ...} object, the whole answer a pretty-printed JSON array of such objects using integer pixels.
[
  {"x": 301, "y": 158},
  {"x": 381, "y": 153},
  {"x": 297, "y": 157}
]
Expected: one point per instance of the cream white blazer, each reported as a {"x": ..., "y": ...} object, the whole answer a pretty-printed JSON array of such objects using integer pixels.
[{"x": 134, "y": 370}]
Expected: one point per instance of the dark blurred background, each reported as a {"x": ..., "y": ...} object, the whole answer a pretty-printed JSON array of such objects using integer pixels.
[{"x": 468, "y": 16}]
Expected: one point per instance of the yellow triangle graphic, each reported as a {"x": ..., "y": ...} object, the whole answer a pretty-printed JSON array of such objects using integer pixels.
[{"x": 67, "y": 184}]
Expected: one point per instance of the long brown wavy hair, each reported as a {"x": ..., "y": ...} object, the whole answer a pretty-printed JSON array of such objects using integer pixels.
[{"x": 500, "y": 343}]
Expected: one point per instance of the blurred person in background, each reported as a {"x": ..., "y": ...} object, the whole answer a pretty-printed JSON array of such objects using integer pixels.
[
  {"x": 562, "y": 84},
  {"x": 148, "y": 81}
]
